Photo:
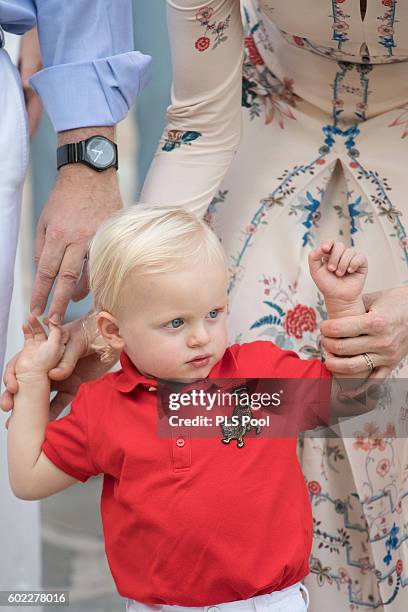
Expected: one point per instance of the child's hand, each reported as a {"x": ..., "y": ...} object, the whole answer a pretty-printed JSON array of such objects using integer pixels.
[
  {"x": 40, "y": 354},
  {"x": 338, "y": 272}
]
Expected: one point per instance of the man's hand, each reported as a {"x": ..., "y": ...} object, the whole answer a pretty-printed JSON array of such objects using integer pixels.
[
  {"x": 81, "y": 199},
  {"x": 29, "y": 63}
]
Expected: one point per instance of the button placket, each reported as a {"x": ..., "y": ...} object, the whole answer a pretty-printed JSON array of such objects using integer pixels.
[{"x": 181, "y": 450}]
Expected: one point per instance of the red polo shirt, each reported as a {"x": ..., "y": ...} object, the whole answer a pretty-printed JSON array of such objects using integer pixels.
[{"x": 192, "y": 522}]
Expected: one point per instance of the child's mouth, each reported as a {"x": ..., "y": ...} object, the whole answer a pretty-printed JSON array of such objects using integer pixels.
[{"x": 200, "y": 361}]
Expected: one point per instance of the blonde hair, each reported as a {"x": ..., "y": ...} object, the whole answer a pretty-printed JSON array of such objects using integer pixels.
[{"x": 146, "y": 240}]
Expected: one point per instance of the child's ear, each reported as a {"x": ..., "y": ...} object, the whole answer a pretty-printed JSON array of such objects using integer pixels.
[{"x": 109, "y": 330}]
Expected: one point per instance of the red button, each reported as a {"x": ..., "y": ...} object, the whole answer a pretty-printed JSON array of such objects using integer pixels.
[{"x": 180, "y": 442}]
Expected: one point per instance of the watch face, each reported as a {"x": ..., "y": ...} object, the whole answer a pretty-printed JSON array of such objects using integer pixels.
[{"x": 100, "y": 152}]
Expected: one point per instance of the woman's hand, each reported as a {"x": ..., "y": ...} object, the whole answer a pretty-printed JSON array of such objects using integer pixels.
[
  {"x": 382, "y": 333},
  {"x": 78, "y": 365}
]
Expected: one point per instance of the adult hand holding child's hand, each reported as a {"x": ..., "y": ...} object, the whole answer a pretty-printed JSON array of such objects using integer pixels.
[
  {"x": 39, "y": 354},
  {"x": 327, "y": 262},
  {"x": 78, "y": 364},
  {"x": 380, "y": 332}
]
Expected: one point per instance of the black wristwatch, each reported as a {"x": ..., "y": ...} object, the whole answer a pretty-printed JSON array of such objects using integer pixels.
[{"x": 97, "y": 152}]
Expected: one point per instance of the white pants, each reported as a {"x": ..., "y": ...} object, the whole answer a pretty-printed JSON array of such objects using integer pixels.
[
  {"x": 14, "y": 152},
  {"x": 20, "y": 559},
  {"x": 287, "y": 600}
]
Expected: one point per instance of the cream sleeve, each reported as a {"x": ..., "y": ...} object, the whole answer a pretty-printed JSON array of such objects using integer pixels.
[{"x": 204, "y": 119}]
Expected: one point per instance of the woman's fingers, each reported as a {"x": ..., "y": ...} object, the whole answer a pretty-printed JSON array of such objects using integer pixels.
[
  {"x": 349, "y": 327},
  {"x": 348, "y": 347},
  {"x": 350, "y": 366}
]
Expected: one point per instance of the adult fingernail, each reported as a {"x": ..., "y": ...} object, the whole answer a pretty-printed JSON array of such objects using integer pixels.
[
  {"x": 36, "y": 311},
  {"x": 56, "y": 319}
]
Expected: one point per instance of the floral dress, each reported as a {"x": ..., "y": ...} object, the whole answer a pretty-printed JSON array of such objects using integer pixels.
[{"x": 288, "y": 124}]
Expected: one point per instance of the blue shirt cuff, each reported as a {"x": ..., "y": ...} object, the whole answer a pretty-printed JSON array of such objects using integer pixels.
[{"x": 92, "y": 93}]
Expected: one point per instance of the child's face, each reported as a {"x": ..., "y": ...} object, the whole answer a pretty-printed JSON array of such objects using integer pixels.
[{"x": 173, "y": 326}]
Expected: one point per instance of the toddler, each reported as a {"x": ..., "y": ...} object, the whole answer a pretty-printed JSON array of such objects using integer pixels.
[{"x": 187, "y": 522}]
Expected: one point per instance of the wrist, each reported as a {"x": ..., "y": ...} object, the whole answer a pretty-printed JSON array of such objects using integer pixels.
[
  {"x": 70, "y": 136},
  {"x": 337, "y": 308},
  {"x": 28, "y": 379},
  {"x": 81, "y": 160}
]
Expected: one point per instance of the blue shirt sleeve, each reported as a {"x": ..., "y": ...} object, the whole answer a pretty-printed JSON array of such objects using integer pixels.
[{"x": 91, "y": 74}]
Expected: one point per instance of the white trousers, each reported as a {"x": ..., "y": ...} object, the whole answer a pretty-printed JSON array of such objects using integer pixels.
[
  {"x": 14, "y": 152},
  {"x": 20, "y": 558},
  {"x": 293, "y": 599}
]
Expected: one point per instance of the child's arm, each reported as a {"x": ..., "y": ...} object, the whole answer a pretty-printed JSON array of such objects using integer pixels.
[
  {"x": 32, "y": 475},
  {"x": 340, "y": 274}
]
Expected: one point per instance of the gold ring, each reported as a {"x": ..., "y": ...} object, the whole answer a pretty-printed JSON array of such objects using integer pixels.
[{"x": 369, "y": 361}]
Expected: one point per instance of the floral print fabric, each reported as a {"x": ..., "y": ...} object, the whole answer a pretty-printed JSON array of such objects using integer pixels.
[{"x": 302, "y": 111}]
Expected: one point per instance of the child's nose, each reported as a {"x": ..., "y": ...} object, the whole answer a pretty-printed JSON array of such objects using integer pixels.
[{"x": 199, "y": 336}]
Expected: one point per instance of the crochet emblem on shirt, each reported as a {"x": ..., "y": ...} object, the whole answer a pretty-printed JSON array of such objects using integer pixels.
[{"x": 240, "y": 427}]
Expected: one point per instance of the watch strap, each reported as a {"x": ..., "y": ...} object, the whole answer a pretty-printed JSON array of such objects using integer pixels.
[{"x": 70, "y": 154}]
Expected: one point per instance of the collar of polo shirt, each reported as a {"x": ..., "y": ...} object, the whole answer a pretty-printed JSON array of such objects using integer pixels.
[{"x": 129, "y": 377}]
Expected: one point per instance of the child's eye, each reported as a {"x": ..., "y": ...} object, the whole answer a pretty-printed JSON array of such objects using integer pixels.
[
  {"x": 175, "y": 323},
  {"x": 213, "y": 314}
]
